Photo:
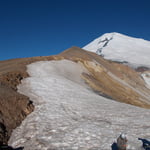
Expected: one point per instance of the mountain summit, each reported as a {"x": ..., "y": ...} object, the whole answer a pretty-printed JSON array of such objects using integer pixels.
[{"x": 118, "y": 47}]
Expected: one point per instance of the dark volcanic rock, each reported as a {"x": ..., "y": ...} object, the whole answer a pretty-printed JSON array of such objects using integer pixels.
[{"x": 142, "y": 69}]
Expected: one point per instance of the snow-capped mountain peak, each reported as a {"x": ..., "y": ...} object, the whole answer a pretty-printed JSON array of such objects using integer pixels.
[{"x": 122, "y": 48}]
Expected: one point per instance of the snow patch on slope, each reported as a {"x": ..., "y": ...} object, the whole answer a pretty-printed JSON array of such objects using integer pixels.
[
  {"x": 69, "y": 116},
  {"x": 146, "y": 77},
  {"x": 122, "y": 48}
]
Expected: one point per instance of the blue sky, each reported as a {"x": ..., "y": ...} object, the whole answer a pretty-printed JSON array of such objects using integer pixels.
[{"x": 47, "y": 27}]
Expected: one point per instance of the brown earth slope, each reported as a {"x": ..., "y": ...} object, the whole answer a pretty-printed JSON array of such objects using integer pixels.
[{"x": 110, "y": 79}]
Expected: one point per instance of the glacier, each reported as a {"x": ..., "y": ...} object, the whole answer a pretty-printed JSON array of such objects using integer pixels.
[
  {"x": 68, "y": 115},
  {"x": 122, "y": 48}
]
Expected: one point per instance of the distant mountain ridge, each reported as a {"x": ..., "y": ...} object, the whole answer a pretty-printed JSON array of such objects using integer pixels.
[{"x": 118, "y": 47}]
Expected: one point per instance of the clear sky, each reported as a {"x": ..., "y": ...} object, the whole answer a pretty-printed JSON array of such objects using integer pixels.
[{"x": 47, "y": 27}]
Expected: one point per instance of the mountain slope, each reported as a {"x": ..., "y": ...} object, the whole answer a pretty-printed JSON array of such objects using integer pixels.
[
  {"x": 77, "y": 77},
  {"x": 14, "y": 107},
  {"x": 111, "y": 79},
  {"x": 69, "y": 115},
  {"x": 122, "y": 48}
]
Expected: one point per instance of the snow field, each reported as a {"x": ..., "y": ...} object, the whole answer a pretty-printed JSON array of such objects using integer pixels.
[{"x": 70, "y": 116}]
